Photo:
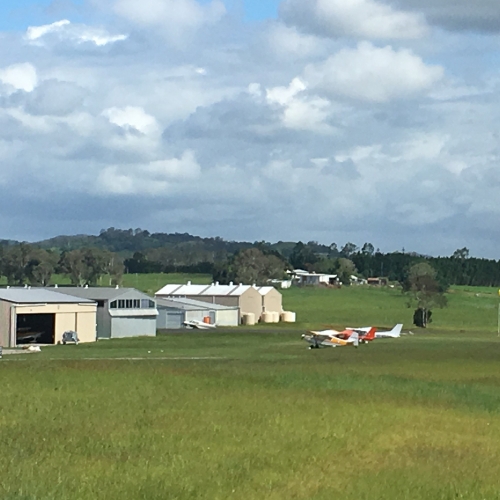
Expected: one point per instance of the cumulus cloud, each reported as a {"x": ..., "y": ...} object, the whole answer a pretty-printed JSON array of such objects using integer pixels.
[
  {"x": 354, "y": 18},
  {"x": 19, "y": 77},
  {"x": 299, "y": 111},
  {"x": 66, "y": 31},
  {"x": 194, "y": 136},
  {"x": 132, "y": 117},
  {"x": 373, "y": 74},
  {"x": 156, "y": 178}
]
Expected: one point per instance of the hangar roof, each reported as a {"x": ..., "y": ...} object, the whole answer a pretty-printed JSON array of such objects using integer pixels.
[
  {"x": 39, "y": 296},
  {"x": 96, "y": 292},
  {"x": 191, "y": 305}
]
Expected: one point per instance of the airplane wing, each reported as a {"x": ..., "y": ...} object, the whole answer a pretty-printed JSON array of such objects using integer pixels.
[{"x": 324, "y": 334}]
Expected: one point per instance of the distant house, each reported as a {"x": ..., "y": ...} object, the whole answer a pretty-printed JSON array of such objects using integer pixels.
[
  {"x": 377, "y": 281},
  {"x": 121, "y": 312},
  {"x": 303, "y": 278},
  {"x": 357, "y": 281}
]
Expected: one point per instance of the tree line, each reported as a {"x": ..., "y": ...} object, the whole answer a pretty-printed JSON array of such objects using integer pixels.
[
  {"x": 24, "y": 264},
  {"x": 86, "y": 258}
]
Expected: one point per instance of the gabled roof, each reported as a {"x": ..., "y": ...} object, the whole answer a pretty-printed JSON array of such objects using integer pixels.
[
  {"x": 219, "y": 290},
  {"x": 39, "y": 295},
  {"x": 264, "y": 290},
  {"x": 168, "y": 289},
  {"x": 203, "y": 290}
]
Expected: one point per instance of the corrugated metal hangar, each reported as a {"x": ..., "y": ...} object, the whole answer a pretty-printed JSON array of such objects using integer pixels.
[
  {"x": 173, "y": 312},
  {"x": 121, "y": 312},
  {"x": 244, "y": 297},
  {"x": 41, "y": 315},
  {"x": 249, "y": 299}
]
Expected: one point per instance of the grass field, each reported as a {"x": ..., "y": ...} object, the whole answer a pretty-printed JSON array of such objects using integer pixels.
[
  {"x": 260, "y": 416},
  {"x": 252, "y": 414}
]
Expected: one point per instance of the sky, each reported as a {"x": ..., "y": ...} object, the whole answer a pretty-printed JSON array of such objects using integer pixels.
[{"x": 327, "y": 120}]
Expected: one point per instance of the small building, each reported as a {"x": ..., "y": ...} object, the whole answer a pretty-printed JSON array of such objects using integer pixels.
[
  {"x": 173, "y": 312},
  {"x": 42, "y": 315},
  {"x": 377, "y": 281},
  {"x": 121, "y": 312},
  {"x": 272, "y": 300},
  {"x": 313, "y": 279}
]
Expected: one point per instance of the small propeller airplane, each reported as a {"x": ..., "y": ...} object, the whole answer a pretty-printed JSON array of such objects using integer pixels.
[
  {"x": 329, "y": 338},
  {"x": 365, "y": 335},
  {"x": 386, "y": 334}
]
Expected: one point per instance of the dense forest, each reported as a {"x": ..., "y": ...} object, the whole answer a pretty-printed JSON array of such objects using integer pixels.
[{"x": 85, "y": 258}]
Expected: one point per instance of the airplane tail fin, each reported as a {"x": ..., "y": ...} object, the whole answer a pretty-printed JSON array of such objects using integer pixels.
[
  {"x": 354, "y": 338},
  {"x": 396, "y": 331},
  {"x": 371, "y": 333}
]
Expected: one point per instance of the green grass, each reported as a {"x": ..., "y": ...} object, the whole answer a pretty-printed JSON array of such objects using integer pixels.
[
  {"x": 413, "y": 418},
  {"x": 384, "y": 307}
]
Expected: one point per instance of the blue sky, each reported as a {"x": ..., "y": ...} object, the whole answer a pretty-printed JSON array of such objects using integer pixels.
[
  {"x": 19, "y": 14},
  {"x": 353, "y": 120}
]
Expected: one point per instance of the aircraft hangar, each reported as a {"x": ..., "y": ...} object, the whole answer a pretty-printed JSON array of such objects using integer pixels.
[{"x": 42, "y": 316}]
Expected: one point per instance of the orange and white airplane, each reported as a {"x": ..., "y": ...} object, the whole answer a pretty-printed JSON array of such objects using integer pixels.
[
  {"x": 329, "y": 338},
  {"x": 392, "y": 334}
]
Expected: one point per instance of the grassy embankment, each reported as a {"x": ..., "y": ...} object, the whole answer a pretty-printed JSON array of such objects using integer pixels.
[{"x": 414, "y": 418}]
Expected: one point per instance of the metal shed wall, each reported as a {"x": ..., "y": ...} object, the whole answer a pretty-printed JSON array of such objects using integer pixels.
[
  {"x": 272, "y": 301},
  {"x": 133, "y": 326},
  {"x": 170, "y": 319},
  {"x": 5, "y": 324},
  {"x": 250, "y": 301},
  {"x": 227, "y": 317}
]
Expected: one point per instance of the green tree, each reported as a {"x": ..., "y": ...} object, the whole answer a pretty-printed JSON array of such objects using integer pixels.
[
  {"x": 424, "y": 291},
  {"x": 302, "y": 256},
  {"x": 15, "y": 263},
  {"x": 41, "y": 266},
  {"x": 345, "y": 269},
  {"x": 253, "y": 266}
]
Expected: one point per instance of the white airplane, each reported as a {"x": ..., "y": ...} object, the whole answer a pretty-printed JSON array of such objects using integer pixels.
[
  {"x": 25, "y": 337},
  {"x": 388, "y": 334},
  {"x": 200, "y": 325},
  {"x": 329, "y": 338}
]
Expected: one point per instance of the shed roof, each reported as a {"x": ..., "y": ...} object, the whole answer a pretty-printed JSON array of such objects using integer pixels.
[
  {"x": 168, "y": 289},
  {"x": 39, "y": 296},
  {"x": 264, "y": 290},
  {"x": 191, "y": 304},
  {"x": 219, "y": 290},
  {"x": 204, "y": 290},
  {"x": 96, "y": 292}
]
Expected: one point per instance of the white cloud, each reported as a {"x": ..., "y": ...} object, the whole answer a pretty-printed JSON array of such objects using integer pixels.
[
  {"x": 156, "y": 178},
  {"x": 373, "y": 74},
  {"x": 357, "y": 18},
  {"x": 133, "y": 117},
  {"x": 173, "y": 17},
  {"x": 65, "y": 30},
  {"x": 20, "y": 76},
  {"x": 300, "y": 112}
]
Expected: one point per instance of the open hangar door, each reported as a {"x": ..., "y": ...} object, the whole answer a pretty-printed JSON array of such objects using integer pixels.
[{"x": 39, "y": 328}]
